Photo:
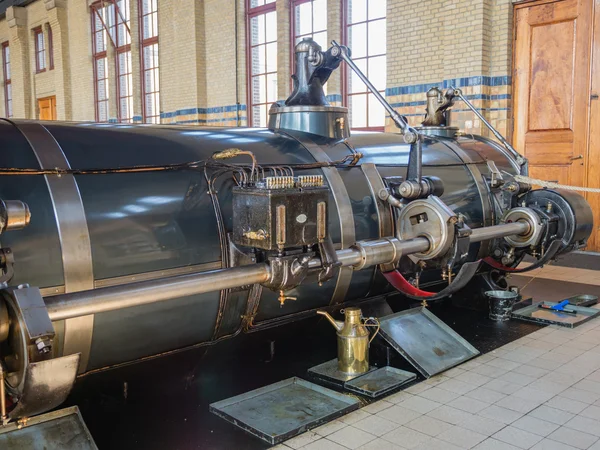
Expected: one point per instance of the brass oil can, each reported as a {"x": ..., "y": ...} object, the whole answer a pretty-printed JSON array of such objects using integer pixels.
[{"x": 352, "y": 340}]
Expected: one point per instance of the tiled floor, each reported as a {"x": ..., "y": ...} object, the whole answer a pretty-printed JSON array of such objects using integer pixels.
[
  {"x": 540, "y": 392},
  {"x": 568, "y": 274}
]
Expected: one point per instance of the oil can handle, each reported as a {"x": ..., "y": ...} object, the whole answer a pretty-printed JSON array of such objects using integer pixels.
[{"x": 376, "y": 324}]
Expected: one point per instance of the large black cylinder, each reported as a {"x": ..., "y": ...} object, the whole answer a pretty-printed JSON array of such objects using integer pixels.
[{"x": 99, "y": 230}]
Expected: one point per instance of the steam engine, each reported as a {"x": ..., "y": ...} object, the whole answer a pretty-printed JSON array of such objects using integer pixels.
[{"x": 125, "y": 241}]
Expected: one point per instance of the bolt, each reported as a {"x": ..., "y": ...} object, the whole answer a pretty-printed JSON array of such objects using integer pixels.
[{"x": 43, "y": 345}]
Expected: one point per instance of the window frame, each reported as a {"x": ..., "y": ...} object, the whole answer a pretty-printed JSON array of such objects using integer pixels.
[
  {"x": 96, "y": 56},
  {"x": 346, "y": 72},
  {"x": 50, "y": 48},
  {"x": 252, "y": 12},
  {"x": 123, "y": 49},
  {"x": 39, "y": 31},
  {"x": 146, "y": 43},
  {"x": 7, "y": 80}
]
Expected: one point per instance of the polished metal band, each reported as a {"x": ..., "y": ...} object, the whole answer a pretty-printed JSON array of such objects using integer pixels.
[
  {"x": 344, "y": 208},
  {"x": 382, "y": 208},
  {"x": 72, "y": 231}
]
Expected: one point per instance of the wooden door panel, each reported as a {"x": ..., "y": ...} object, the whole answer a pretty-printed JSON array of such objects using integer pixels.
[
  {"x": 552, "y": 75},
  {"x": 558, "y": 174},
  {"x": 593, "y": 168},
  {"x": 551, "y": 87},
  {"x": 47, "y": 108}
]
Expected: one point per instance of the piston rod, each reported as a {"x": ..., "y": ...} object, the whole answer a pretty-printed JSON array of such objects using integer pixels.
[{"x": 361, "y": 255}]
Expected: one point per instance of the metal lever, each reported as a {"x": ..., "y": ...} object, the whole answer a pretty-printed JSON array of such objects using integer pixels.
[
  {"x": 573, "y": 158},
  {"x": 520, "y": 159},
  {"x": 410, "y": 134}
]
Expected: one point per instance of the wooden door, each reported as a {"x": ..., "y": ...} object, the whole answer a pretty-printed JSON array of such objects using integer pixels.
[
  {"x": 551, "y": 87},
  {"x": 593, "y": 166},
  {"x": 47, "y": 108}
]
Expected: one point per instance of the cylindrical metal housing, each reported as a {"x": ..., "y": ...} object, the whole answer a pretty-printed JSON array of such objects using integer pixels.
[{"x": 111, "y": 229}]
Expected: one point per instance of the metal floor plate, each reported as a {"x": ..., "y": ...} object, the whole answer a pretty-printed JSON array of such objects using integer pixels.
[
  {"x": 58, "y": 430},
  {"x": 329, "y": 372},
  {"x": 282, "y": 410},
  {"x": 536, "y": 314},
  {"x": 379, "y": 382},
  {"x": 425, "y": 341}
]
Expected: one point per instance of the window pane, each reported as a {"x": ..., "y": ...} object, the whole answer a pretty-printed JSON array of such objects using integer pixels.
[
  {"x": 377, "y": 9},
  {"x": 257, "y": 30},
  {"x": 259, "y": 94},
  {"x": 256, "y": 116},
  {"x": 355, "y": 84},
  {"x": 358, "y": 111},
  {"x": 319, "y": 15},
  {"x": 377, "y": 72},
  {"x": 321, "y": 39},
  {"x": 271, "y": 88},
  {"x": 303, "y": 22},
  {"x": 271, "y": 57},
  {"x": 357, "y": 11},
  {"x": 271, "y": 25},
  {"x": 376, "y": 113},
  {"x": 377, "y": 37},
  {"x": 258, "y": 60},
  {"x": 357, "y": 40}
]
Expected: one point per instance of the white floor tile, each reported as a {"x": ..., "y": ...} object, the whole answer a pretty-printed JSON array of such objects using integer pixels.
[
  {"x": 584, "y": 424},
  {"x": 376, "y": 425},
  {"x": 406, "y": 437},
  {"x": 566, "y": 404},
  {"x": 483, "y": 425},
  {"x": 429, "y": 425},
  {"x": 419, "y": 404},
  {"x": 461, "y": 437},
  {"x": 534, "y": 425},
  {"x": 324, "y": 444},
  {"x": 398, "y": 415},
  {"x": 451, "y": 415},
  {"x": 351, "y": 437},
  {"x": 573, "y": 438},
  {"x": 494, "y": 444},
  {"x": 380, "y": 444},
  {"x": 328, "y": 428},
  {"x": 439, "y": 395},
  {"x": 517, "y": 437},
  {"x": 557, "y": 416},
  {"x": 500, "y": 414}
]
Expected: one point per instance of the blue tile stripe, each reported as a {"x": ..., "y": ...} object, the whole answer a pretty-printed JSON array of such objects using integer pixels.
[
  {"x": 456, "y": 82},
  {"x": 211, "y": 110},
  {"x": 469, "y": 97}
]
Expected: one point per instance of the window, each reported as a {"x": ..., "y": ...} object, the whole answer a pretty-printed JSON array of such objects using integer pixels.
[
  {"x": 365, "y": 34},
  {"x": 309, "y": 19},
  {"x": 262, "y": 59},
  {"x": 150, "y": 74},
  {"x": 123, "y": 63},
  {"x": 101, "y": 22},
  {"x": 111, "y": 22},
  {"x": 50, "y": 49},
  {"x": 40, "y": 50},
  {"x": 7, "y": 83}
]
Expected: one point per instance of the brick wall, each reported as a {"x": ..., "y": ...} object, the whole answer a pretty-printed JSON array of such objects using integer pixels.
[{"x": 203, "y": 74}]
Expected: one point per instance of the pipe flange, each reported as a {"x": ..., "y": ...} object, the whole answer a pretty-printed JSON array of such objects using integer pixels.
[
  {"x": 536, "y": 227},
  {"x": 429, "y": 218}
]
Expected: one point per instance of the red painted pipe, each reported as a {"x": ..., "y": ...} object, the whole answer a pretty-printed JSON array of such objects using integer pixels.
[{"x": 396, "y": 279}]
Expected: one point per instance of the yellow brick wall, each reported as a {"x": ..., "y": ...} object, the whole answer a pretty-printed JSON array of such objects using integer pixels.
[{"x": 203, "y": 74}]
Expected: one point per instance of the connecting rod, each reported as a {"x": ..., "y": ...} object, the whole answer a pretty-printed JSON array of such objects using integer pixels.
[{"x": 361, "y": 255}]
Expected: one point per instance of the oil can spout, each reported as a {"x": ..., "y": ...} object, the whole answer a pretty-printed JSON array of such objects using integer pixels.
[{"x": 336, "y": 324}]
